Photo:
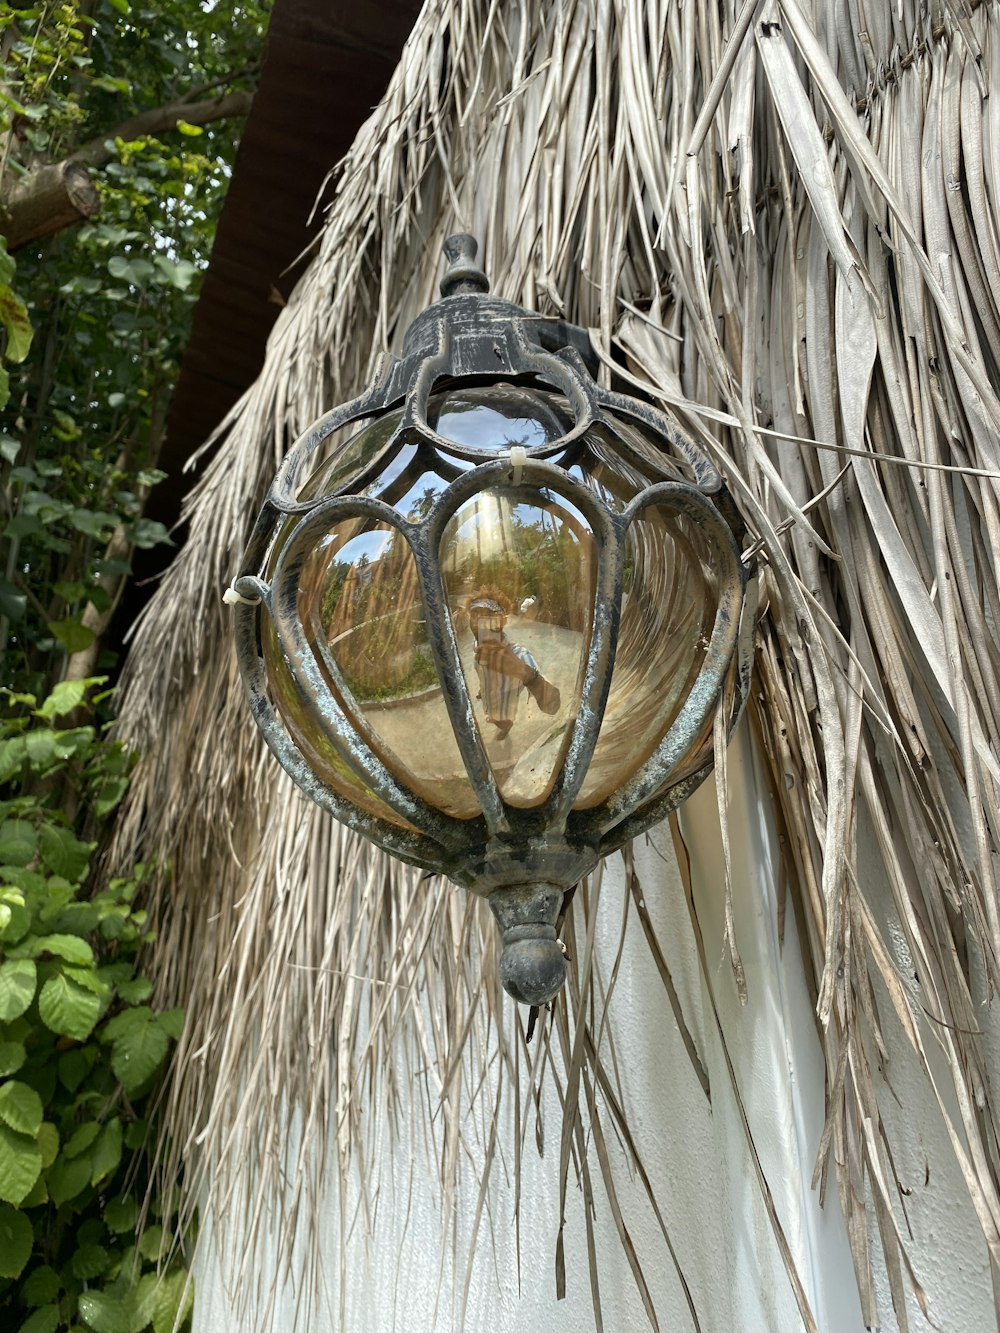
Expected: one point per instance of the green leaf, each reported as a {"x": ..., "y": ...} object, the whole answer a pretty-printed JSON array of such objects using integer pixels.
[
  {"x": 9, "y": 449},
  {"x": 172, "y": 1300},
  {"x": 14, "y": 317},
  {"x": 20, "y": 1107},
  {"x": 13, "y": 604},
  {"x": 41, "y": 1286},
  {"x": 107, "y": 1152},
  {"x": 17, "y": 843},
  {"x": 20, "y": 1165},
  {"x": 146, "y": 532},
  {"x": 68, "y": 947},
  {"x": 72, "y": 633},
  {"x": 16, "y": 920},
  {"x": 64, "y": 854},
  {"x": 12, "y": 1057},
  {"x": 66, "y": 696},
  {"x": 106, "y": 82},
  {"x": 66, "y": 1179},
  {"x": 187, "y": 128},
  {"x": 121, "y": 1214},
  {"x": 135, "y": 992},
  {"x": 41, "y": 748},
  {"x": 18, "y": 979},
  {"x": 137, "y": 1054},
  {"x": 151, "y": 1244},
  {"x": 89, "y": 1261},
  {"x": 36, "y": 1196},
  {"x": 172, "y": 1022},
  {"x": 74, "y": 1066},
  {"x": 81, "y": 1139},
  {"x": 135, "y": 1135},
  {"x": 121, "y": 5},
  {"x": 48, "y": 1143},
  {"x": 67, "y": 1008},
  {"x": 45, "y": 1320},
  {"x": 16, "y": 1241},
  {"x": 93, "y": 523},
  {"x": 12, "y": 753},
  {"x": 86, "y": 976},
  {"x": 104, "y": 1313},
  {"x": 126, "y": 1021}
]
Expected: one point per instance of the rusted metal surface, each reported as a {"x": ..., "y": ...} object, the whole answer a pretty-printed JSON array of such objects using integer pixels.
[{"x": 536, "y": 852}]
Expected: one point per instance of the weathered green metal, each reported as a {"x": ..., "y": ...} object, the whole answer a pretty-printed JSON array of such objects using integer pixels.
[{"x": 523, "y": 860}]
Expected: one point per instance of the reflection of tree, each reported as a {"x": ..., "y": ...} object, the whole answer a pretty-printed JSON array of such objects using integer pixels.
[
  {"x": 530, "y": 552},
  {"x": 371, "y": 614}
]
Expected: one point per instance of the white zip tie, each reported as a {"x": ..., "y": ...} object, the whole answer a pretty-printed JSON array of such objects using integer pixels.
[
  {"x": 518, "y": 459},
  {"x": 233, "y": 598}
]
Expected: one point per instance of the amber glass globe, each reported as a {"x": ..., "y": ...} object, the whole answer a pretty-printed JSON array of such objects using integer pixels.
[{"x": 518, "y": 567}]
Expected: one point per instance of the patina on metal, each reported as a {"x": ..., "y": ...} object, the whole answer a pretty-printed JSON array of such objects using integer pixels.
[{"x": 522, "y": 859}]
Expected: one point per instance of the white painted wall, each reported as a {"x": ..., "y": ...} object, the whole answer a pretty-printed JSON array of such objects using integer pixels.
[{"x": 398, "y": 1278}]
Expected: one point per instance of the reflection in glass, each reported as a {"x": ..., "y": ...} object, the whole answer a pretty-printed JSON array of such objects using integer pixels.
[
  {"x": 499, "y": 417},
  {"x": 519, "y": 571},
  {"x": 359, "y": 600},
  {"x": 670, "y": 596},
  {"x": 323, "y": 757},
  {"x": 519, "y": 574}
]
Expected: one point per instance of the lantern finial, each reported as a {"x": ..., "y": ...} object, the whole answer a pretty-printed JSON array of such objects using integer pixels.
[
  {"x": 533, "y": 964},
  {"x": 464, "y": 274}
]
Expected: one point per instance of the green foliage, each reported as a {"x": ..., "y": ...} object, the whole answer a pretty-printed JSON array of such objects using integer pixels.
[
  {"x": 92, "y": 325},
  {"x": 14, "y": 321},
  {"x": 110, "y": 301},
  {"x": 80, "y": 1049}
]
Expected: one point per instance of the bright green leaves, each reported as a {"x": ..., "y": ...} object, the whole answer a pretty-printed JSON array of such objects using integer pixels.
[
  {"x": 12, "y": 1057},
  {"x": 20, "y": 1107},
  {"x": 68, "y": 1008},
  {"x": 14, "y": 319},
  {"x": 18, "y": 979},
  {"x": 139, "y": 1044},
  {"x": 17, "y": 842},
  {"x": 20, "y": 1165},
  {"x": 66, "y": 696},
  {"x": 16, "y": 1241},
  {"x": 107, "y": 1152},
  {"x": 63, "y": 854},
  {"x": 171, "y": 1298},
  {"x": 109, "y": 1314},
  {"x": 80, "y": 1046}
]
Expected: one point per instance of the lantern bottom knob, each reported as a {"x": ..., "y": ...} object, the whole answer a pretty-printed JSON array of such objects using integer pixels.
[{"x": 533, "y": 964}]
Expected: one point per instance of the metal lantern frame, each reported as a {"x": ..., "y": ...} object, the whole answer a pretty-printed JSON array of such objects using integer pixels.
[{"x": 524, "y": 858}]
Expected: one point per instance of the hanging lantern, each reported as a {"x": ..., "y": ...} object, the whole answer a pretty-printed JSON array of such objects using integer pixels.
[{"x": 489, "y": 612}]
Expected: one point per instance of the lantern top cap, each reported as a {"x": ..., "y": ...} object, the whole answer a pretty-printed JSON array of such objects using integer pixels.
[{"x": 463, "y": 274}]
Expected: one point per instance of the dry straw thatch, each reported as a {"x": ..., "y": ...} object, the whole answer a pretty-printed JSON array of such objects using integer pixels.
[{"x": 784, "y": 215}]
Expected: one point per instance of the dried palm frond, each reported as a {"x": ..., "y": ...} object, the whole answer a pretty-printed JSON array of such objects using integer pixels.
[{"x": 786, "y": 224}]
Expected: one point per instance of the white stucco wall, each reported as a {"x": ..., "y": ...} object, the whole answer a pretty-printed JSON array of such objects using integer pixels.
[{"x": 398, "y": 1278}]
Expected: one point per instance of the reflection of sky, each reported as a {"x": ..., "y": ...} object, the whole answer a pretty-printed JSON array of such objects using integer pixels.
[
  {"x": 395, "y": 469},
  {"x": 372, "y": 544},
  {"x": 481, "y": 427}
]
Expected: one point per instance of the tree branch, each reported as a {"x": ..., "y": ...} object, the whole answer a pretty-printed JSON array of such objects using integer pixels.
[
  {"x": 60, "y": 194},
  {"x": 162, "y": 119},
  {"x": 45, "y": 201}
]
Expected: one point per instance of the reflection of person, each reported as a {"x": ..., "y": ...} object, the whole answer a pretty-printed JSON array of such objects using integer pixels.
[{"x": 504, "y": 667}]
